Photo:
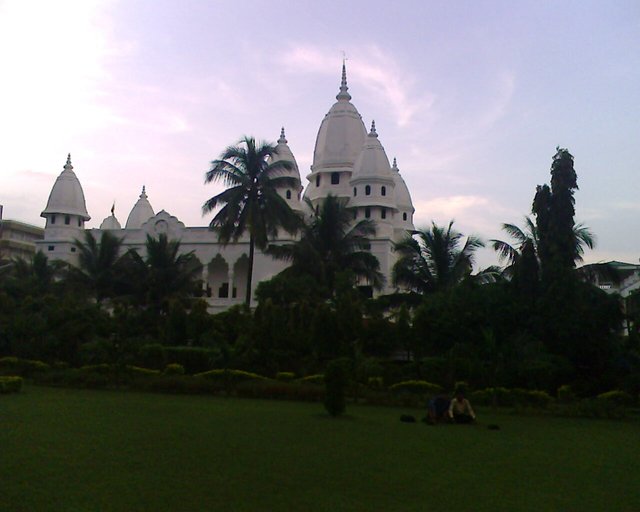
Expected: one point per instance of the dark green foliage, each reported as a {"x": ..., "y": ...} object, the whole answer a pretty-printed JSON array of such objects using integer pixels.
[
  {"x": 336, "y": 380},
  {"x": 331, "y": 248},
  {"x": 433, "y": 259},
  {"x": 10, "y": 384}
]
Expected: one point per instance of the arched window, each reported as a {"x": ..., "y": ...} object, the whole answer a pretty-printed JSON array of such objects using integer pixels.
[
  {"x": 67, "y": 219},
  {"x": 383, "y": 212},
  {"x": 367, "y": 212},
  {"x": 404, "y": 216},
  {"x": 383, "y": 191},
  {"x": 335, "y": 178},
  {"x": 288, "y": 194},
  {"x": 367, "y": 190},
  {"x": 355, "y": 191},
  {"x": 318, "y": 180}
]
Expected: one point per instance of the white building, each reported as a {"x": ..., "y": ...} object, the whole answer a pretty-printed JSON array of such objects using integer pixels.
[{"x": 348, "y": 162}]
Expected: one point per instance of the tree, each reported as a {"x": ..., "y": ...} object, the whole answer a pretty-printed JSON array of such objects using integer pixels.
[
  {"x": 432, "y": 260},
  {"x": 165, "y": 274},
  {"x": 98, "y": 262},
  {"x": 523, "y": 262},
  {"x": 331, "y": 244},
  {"x": 251, "y": 202},
  {"x": 554, "y": 208}
]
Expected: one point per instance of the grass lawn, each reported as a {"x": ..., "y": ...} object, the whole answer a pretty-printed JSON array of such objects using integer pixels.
[{"x": 69, "y": 450}]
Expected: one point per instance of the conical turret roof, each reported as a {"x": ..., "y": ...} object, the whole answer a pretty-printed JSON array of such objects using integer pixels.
[
  {"x": 66, "y": 196},
  {"x": 141, "y": 212}
]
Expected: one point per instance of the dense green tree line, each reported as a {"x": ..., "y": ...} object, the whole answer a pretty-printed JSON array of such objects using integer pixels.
[{"x": 534, "y": 323}]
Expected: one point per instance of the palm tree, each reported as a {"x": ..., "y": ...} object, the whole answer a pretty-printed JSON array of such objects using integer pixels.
[
  {"x": 432, "y": 260},
  {"x": 164, "y": 275},
  {"x": 527, "y": 239},
  {"x": 35, "y": 276},
  {"x": 251, "y": 202},
  {"x": 98, "y": 264},
  {"x": 330, "y": 243}
]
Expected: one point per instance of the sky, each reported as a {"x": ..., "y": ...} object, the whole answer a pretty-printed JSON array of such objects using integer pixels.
[{"x": 472, "y": 97}]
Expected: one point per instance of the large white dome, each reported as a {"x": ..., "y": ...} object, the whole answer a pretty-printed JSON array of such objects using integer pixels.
[
  {"x": 66, "y": 196},
  {"x": 341, "y": 133},
  {"x": 140, "y": 213}
]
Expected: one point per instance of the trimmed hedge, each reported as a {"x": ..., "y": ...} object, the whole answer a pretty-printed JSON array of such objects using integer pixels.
[
  {"x": 10, "y": 384},
  {"x": 174, "y": 369},
  {"x": 230, "y": 375},
  {"x": 285, "y": 376},
  {"x": 418, "y": 387},
  {"x": 22, "y": 367},
  {"x": 318, "y": 378}
]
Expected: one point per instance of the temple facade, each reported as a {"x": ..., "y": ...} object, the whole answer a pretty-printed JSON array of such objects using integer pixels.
[{"x": 348, "y": 162}]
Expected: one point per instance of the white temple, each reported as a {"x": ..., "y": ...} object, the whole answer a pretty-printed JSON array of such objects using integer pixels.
[{"x": 347, "y": 162}]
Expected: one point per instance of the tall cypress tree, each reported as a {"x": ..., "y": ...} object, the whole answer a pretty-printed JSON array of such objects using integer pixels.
[{"x": 554, "y": 208}]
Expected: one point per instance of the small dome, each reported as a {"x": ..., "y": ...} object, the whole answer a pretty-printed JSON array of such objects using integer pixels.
[
  {"x": 111, "y": 222},
  {"x": 66, "y": 196},
  {"x": 284, "y": 153},
  {"x": 140, "y": 213},
  {"x": 341, "y": 133},
  {"x": 403, "y": 198},
  {"x": 372, "y": 162}
]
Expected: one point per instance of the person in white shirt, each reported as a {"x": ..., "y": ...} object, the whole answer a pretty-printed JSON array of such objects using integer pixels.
[{"x": 460, "y": 410}]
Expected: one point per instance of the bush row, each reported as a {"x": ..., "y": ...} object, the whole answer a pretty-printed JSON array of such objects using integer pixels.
[{"x": 10, "y": 384}]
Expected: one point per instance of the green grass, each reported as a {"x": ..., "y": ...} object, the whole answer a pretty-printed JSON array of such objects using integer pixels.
[{"x": 69, "y": 450}]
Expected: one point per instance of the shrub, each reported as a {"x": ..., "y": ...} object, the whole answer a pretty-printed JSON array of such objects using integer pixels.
[
  {"x": 566, "y": 394},
  {"x": 193, "y": 359},
  {"x": 174, "y": 369},
  {"x": 285, "y": 376},
  {"x": 76, "y": 378},
  {"x": 102, "y": 369},
  {"x": 616, "y": 397},
  {"x": 511, "y": 397},
  {"x": 230, "y": 375},
  {"x": 10, "y": 384},
  {"x": 318, "y": 378},
  {"x": 375, "y": 382},
  {"x": 179, "y": 384},
  {"x": 419, "y": 387},
  {"x": 22, "y": 367},
  {"x": 336, "y": 379},
  {"x": 138, "y": 371}
]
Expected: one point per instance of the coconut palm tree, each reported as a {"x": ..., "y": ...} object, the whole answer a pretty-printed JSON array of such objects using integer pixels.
[
  {"x": 331, "y": 243},
  {"x": 251, "y": 202},
  {"x": 434, "y": 259},
  {"x": 164, "y": 275},
  {"x": 98, "y": 263},
  {"x": 526, "y": 239}
]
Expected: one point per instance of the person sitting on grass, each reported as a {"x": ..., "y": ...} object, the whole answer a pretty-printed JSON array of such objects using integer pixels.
[
  {"x": 460, "y": 410},
  {"x": 437, "y": 410}
]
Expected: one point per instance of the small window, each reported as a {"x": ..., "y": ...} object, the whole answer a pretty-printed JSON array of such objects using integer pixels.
[
  {"x": 383, "y": 212},
  {"x": 288, "y": 194},
  {"x": 367, "y": 190},
  {"x": 51, "y": 248},
  {"x": 79, "y": 223},
  {"x": 355, "y": 191},
  {"x": 67, "y": 220},
  {"x": 383, "y": 191},
  {"x": 404, "y": 216},
  {"x": 318, "y": 180},
  {"x": 355, "y": 214},
  {"x": 53, "y": 219},
  {"x": 223, "y": 291},
  {"x": 367, "y": 212},
  {"x": 73, "y": 249},
  {"x": 335, "y": 178}
]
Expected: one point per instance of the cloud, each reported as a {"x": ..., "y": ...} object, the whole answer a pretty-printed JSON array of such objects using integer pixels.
[{"x": 376, "y": 71}]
